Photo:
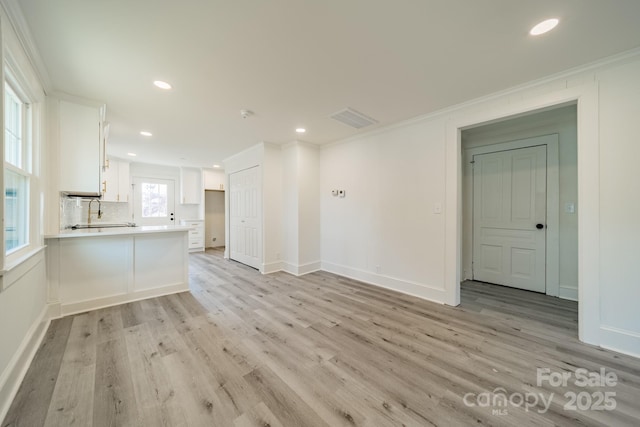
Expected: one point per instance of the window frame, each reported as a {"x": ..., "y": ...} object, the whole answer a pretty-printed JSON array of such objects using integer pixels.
[{"x": 16, "y": 89}]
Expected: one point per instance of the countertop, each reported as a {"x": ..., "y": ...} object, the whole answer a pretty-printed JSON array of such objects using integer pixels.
[{"x": 118, "y": 231}]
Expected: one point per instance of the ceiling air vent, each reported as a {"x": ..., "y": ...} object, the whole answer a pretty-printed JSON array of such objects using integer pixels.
[{"x": 353, "y": 118}]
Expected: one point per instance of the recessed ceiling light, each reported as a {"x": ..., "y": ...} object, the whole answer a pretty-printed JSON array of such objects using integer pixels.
[
  {"x": 544, "y": 26},
  {"x": 162, "y": 85},
  {"x": 301, "y": 130},
  {"x": 216, "y": 166},
  {"x": 145, "y": 133},
  {"x": 131, "y": 154}
]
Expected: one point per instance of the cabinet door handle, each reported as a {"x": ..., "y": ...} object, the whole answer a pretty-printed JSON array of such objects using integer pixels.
[{"x": 104, "y": 186}]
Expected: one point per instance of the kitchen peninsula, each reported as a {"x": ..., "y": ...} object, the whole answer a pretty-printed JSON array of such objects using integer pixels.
[{"x": 98, "y": 267}]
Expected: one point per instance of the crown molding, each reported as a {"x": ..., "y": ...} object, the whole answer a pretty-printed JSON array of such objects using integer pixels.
[{"x": 15, "y": 17}]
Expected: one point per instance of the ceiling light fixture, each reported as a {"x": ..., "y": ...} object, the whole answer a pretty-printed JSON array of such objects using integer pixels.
[
  {"x": 162, "y": 85},
  {"x": 131, "y": 154},
  {"x": 544, "y": 27},
  {"x": 216, "y": 166},
  {"x": 145, "y": 133},
  {"x": 301, "y": 130}
]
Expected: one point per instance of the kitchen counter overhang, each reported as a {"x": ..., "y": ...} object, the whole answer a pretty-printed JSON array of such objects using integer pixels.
[
  {"x": 88, "y": 269},
  {"x": 117, "y": 231}
]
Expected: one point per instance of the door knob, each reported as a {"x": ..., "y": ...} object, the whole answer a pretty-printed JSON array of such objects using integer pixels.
[{"x": 539, "y": 226}]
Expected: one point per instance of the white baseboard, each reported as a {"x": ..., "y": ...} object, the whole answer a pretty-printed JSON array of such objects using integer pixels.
[
  {"x": 15, "y": 371},
  {"x": 302, "y": 269},
  {"x": 568, "y": 293},
  {"x": 95, "y": 304},
  {"x": 271, "y": 267},
  {"x": 426, "y": 292},
  {"x": 620, "y": 340}
]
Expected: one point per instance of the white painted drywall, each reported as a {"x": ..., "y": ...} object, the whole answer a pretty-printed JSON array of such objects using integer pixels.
[
  {"x": 272, "y": 207},
  {"x": 301, "y": 208},
  {"x": 290, "y": 234},
  {"x": 561, "y": 121},
  {"x": 384, "y": 230},
  {"x": 214, "y": 219},
  {"x": 308, "y": 208},
  {"x": 620, "y": 206}
]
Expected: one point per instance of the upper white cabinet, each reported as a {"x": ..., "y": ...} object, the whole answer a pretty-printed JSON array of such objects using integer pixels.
[
  {"x": 80, "y": 143},
  {"x": 190, "y": 186},
  {"x": 213, "y": 180},
  {"x": 115, "y": 181}
]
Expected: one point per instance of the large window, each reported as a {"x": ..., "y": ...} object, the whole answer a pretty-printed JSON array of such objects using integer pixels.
[{"x": 17, "y": 170}]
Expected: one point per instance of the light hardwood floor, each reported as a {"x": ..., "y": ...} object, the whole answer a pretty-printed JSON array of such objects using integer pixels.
[{"x": 244, "y": 349}]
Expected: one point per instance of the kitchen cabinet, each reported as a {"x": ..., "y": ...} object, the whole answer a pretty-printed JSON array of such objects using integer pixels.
[
  {"x": 190, "y": 186},
  {"x": 80, "y": 147},
  {"x": 214, "y": 180},
  {"x": 196, "y": 234},
  {"x": 115, "y": 181}
]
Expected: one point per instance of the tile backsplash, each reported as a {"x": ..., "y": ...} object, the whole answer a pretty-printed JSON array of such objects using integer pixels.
[{"x": 74, "y": 211}]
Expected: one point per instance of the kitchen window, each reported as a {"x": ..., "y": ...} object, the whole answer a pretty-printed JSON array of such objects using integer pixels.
[{"x": 17, "y": 170}]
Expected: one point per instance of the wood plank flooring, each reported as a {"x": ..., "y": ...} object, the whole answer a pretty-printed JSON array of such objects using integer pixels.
[{"x": 242, "y": 349}]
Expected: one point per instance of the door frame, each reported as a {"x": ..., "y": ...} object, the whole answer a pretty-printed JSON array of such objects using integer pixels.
[
  {"x": 552, "y": 255},
  {"x": 585, "y": 96},
  {"x": 228, "y": 215},
  {"x": 132, "y": 204}
]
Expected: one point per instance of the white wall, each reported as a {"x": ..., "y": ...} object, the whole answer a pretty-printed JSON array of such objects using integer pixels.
[
  {"x": 563, "y": 122},
  {"x": 385, "y": 231},
  {"x": 308, "y": 208},
  {"x": 214, "y": 219},
  {"x": 620, "y": 206},
  {"x": 23, "y": 288},
  {"x": 301, "y": 208},
  {"x": 290, "y": 237}
]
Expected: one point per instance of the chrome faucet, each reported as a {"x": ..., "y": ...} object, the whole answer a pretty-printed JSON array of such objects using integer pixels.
[{"x": 89, "y": 210}]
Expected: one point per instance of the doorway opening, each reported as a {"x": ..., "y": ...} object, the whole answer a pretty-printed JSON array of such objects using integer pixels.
[
  {"x": 214, "y": 228},
  {"x": 519, "y": 203}
]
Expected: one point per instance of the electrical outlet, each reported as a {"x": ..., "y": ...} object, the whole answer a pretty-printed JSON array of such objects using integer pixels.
[{"x": 214, "y": 239}]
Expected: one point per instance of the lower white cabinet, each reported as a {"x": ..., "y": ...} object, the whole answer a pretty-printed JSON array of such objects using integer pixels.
[{"x": 196, "y": 234}]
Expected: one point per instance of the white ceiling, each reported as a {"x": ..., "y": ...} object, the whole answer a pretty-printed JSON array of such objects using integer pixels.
[{"x": 295, "y": 62}]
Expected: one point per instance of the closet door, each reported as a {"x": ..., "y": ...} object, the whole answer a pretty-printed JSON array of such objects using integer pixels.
[{"x": 245, "y": 223}]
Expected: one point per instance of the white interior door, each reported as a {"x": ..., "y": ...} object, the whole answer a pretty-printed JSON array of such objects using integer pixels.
[
  {"x": 153, "y": 201},
  {"x": 509, "y": 218},
  {"x": 244, "y": 217}
]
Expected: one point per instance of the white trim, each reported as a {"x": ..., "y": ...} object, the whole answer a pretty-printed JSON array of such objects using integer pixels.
[
  {"x": 20, "y": 27},
  {"x": 301, "y": 269},
  {"x": 98, "y": 303},
  {"x": 419, "y": 290},
  {"x": 15, "y": 371},
  {"x": 617, "y": 339},
  {"x": 586, "y": 97},
  {"x": 268, "y": 268},
  {"x": 552, "y": 241},
  {"x": 566, "y": 292}
]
